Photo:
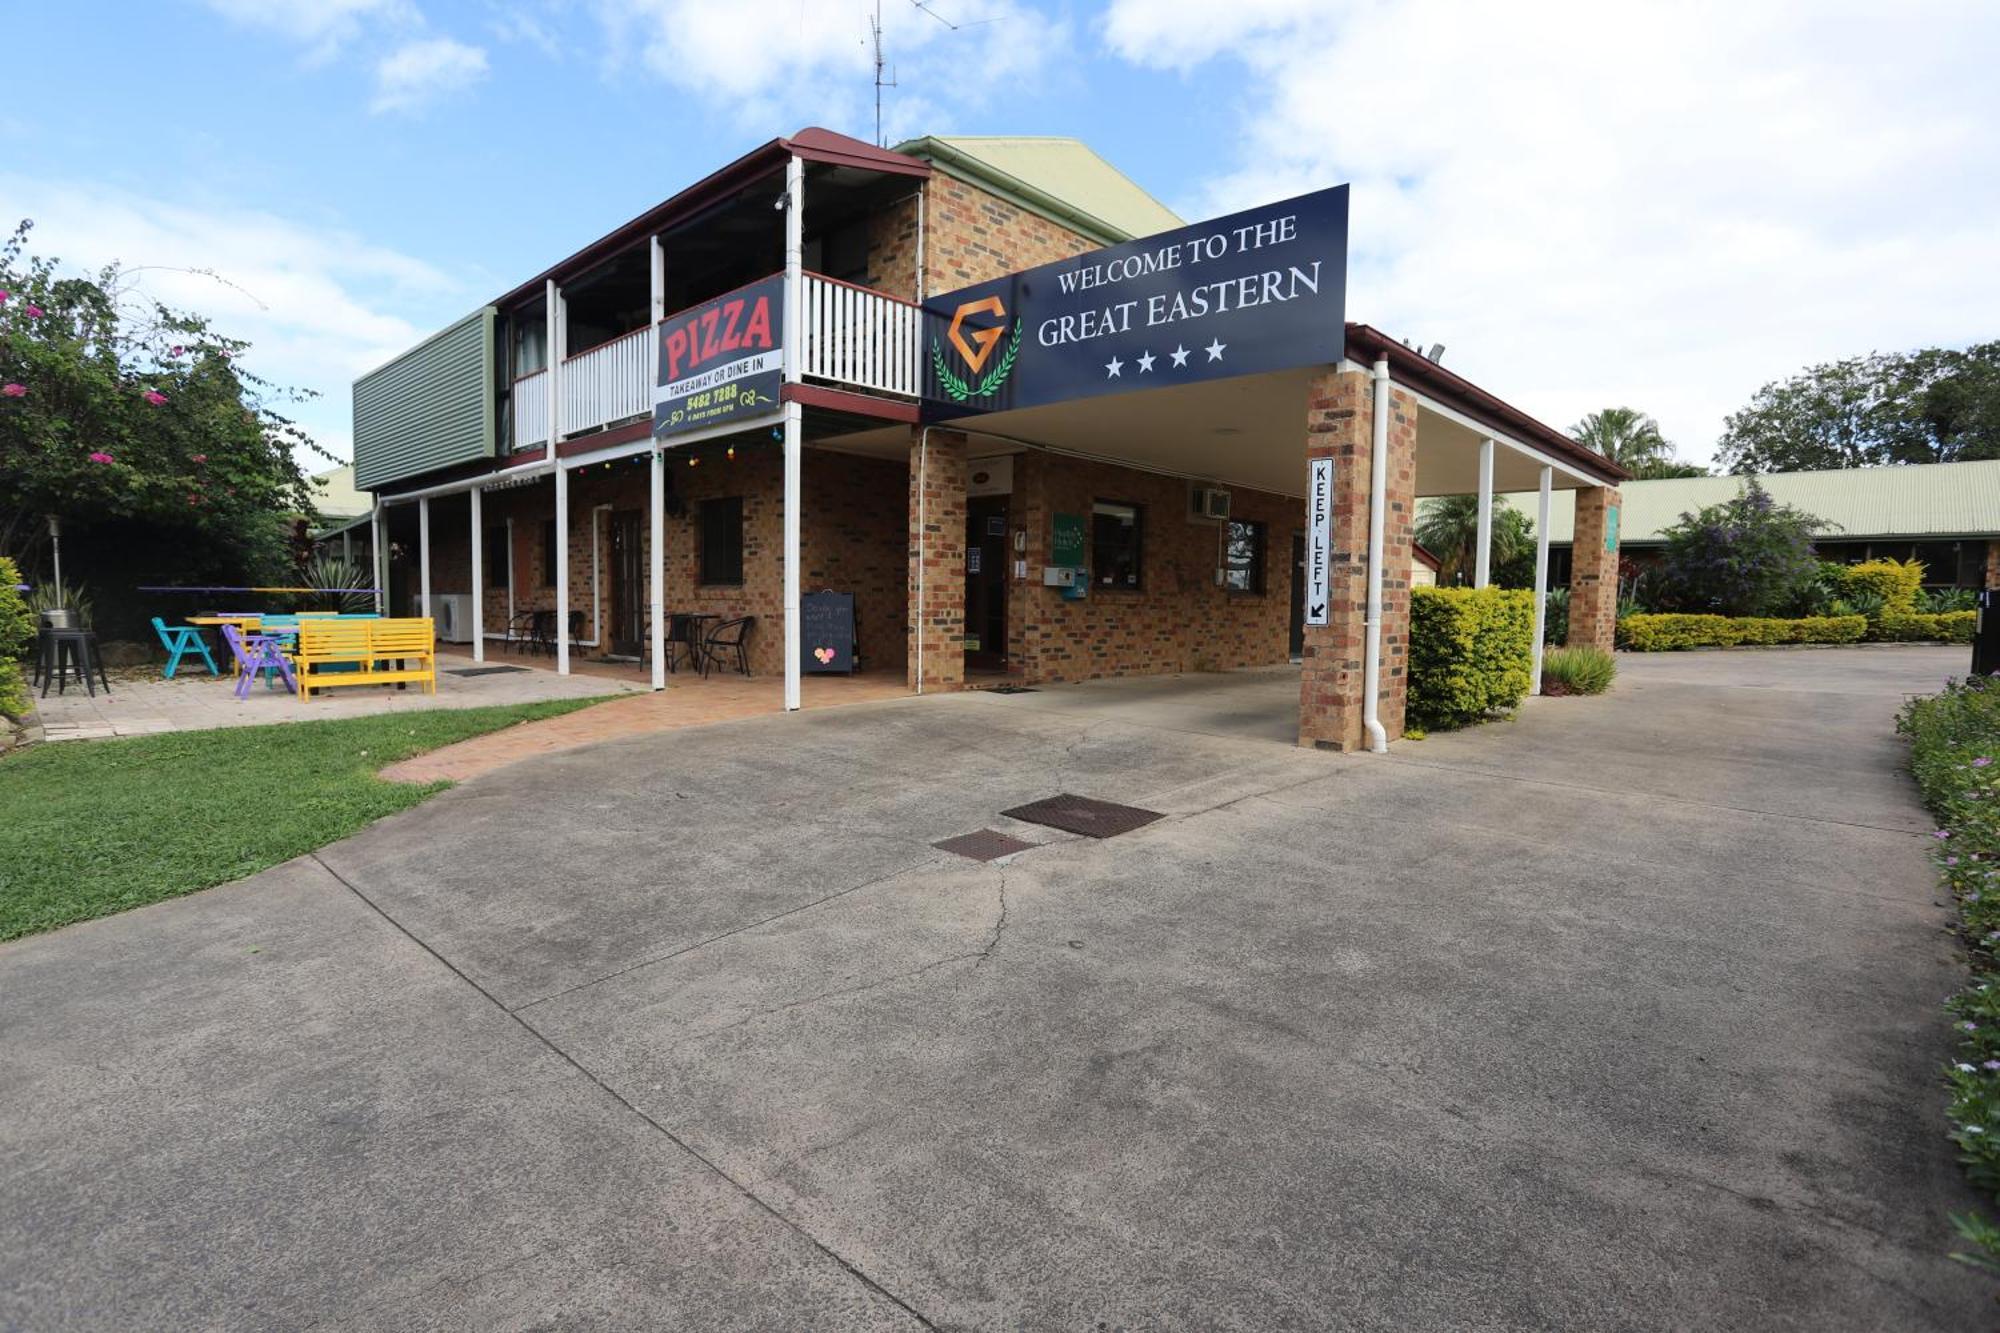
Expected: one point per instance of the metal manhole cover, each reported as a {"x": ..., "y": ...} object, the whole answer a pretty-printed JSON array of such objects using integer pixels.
[
  {"x": 985, "y": 845},
  {"x": 1083, "y": 814},
  {"x": 481, "y": 671}
]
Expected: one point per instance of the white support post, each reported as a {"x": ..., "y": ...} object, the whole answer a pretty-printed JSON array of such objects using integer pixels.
[
  {"x": 1483, "y": 560},
  {"x": 347, "y": 548},
  {"x": 562, "y": 570},
  {"x": 424, "y": 554},
  {"x": 378, "y": 558},
  {"x": 657, "y": 506},
  {"x": 478, "y": 578},
  {"x": 795, "y": 200},
  {"x": 1541, "y": 577},
  {"x": 659, "y": 281},
  {"x": 510, "y": 577}
]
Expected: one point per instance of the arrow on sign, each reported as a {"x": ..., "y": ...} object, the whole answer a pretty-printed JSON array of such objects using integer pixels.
[{"x": 1317, "y": 611}]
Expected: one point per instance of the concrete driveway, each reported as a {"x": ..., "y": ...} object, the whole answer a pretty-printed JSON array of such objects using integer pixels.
[{"x": 1621, "y": 1015}]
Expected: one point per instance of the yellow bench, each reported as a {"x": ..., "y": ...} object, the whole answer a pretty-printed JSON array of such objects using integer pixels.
[{"x": 360, "y": 652}]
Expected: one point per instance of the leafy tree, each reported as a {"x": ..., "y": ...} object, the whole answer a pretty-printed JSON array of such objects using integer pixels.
[
  {"x": 1631, "y": 439},
  {"x": 1448, "y": 527},
  {"x": 1749, "y": 556},
  {"x": 1937, "y": 405},
  {"x": 117, "y": 411}
]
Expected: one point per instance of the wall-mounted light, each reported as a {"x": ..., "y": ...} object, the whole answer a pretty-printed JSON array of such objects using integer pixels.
[{"x": 732, "y": 453}]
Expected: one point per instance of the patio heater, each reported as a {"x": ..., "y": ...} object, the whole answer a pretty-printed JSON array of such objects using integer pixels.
[{"x": 55, "y": 548}]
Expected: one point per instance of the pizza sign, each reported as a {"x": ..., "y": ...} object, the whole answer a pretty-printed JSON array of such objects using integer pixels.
[{"x": 721, "y": 359}]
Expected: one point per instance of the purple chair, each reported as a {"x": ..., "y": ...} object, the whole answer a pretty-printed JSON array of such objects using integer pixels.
[{"x": 258, "y": 654}]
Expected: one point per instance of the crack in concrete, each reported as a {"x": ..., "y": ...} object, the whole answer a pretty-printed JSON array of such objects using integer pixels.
[{"x": 999, "y": 925}]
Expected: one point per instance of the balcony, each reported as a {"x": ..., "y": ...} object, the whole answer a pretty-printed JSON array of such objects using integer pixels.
[{"x": 850, "y": 336}]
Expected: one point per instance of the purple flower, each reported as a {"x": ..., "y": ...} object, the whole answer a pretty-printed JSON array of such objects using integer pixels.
[
  {"x": 1951, "y": 860},
  {"x": 1969, "y": 1027},
  {"x": 1942, "y": 833},
  {"x": 1991, "y": 1064},
  {"x": 1981, "y": 762}
]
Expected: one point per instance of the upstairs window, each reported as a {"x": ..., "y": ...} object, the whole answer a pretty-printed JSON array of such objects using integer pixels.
[
  {"x": 721, "y": 523},
  {"x": 1114, "y": 544}
]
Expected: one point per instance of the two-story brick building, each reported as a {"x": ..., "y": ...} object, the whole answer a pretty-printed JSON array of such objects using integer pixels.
[{"x": 521, "y": 459}]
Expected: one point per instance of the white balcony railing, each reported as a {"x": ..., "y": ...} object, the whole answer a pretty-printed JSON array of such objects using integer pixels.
[
  {"x": 851, "y": 336},
  {"x": 856, "y": 336},
  {"x": 610, "y": 382},
  {"x": 531, "y": 409}
]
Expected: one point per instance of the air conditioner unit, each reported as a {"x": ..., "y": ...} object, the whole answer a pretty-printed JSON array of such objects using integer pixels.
[
  {"x": 1208, "y": 502},
  {"x": 452, "y": 613}
]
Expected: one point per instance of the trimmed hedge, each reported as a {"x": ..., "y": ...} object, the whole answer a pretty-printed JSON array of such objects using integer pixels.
[
  {"x": 1908, "y": 626},
  {"x": 17, "y": 633},
  {"x": 1471, "y": 653},
  {"x": 1665, "y": 633}
]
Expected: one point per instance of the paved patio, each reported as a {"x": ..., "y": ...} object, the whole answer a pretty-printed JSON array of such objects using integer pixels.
[{"x": 1621, "y": 1015}]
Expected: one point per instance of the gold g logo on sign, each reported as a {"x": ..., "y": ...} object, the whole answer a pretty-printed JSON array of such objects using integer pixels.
[{"x": 982, "y": 340}]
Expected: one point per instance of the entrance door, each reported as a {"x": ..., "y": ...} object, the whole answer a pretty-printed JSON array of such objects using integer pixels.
[
  {"x": 1298, "y": 594},
  {"x": 986, "y": 583},
  {"x": 628, "y": 583}
]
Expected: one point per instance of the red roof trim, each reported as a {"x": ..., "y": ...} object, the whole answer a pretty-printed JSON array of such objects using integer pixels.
[
  {"x": 1423, "y": 553},
  {"x": 812, "y": 143},
  {"x": 844, "y": 400},
  {"x": 1365, "y": 344}
]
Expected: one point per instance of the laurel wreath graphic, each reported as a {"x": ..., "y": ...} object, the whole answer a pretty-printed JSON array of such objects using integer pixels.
[{"x": 961, "y": 389}]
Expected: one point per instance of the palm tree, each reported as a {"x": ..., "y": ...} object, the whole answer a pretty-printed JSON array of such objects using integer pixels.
[
  {"x": 1448, "y": 527},
  {"x": 1631, "y": 439}
]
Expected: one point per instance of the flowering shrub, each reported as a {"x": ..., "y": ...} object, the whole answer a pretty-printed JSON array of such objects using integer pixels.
[
  {"x": 1749, "y": 556},
  {"x": 1662, "y": 633},
  {"x": 1955, "y": 757}
]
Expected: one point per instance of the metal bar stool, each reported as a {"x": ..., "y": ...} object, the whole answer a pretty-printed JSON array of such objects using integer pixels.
[{"x": 73, "y": 654}]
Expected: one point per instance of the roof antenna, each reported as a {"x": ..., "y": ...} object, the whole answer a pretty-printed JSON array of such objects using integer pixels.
[{"x": 875, "y": 31}]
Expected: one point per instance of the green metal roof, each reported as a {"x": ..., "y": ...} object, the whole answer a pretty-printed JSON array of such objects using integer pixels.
[
  {"x": 1918, "y": 502},
  {"x": 1041, "y": 171}
]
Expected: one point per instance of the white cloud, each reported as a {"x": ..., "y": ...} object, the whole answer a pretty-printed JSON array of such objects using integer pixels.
[
  {"x": 319, "y": 306},
  {"x": 788, "y": 62},
  {"x": 323, "y": 25},
  {"x": 422, "y": 71},
  {"x": 1661, "y": 205}
]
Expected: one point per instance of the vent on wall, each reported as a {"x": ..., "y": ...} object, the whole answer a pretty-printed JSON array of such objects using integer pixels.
[{"x": 1208, "y": 503}]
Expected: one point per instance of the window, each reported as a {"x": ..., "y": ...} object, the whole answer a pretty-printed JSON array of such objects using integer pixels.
[
  {"x": 1114, "y": 544},
  {"x": 549, "y": 554},
  {"x": 722, "y": 540},
  {"x": 1243, "y": 557},
  {"x": 496, "y": 554}
]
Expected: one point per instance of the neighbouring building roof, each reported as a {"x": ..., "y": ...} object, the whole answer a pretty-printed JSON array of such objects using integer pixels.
[
  {"x": 335, "y": 497},
  {"x": 1919, "y": 501},
  {"x": 1042, "y": 169}
]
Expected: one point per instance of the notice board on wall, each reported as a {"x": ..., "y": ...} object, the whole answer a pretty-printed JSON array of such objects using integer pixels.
[{"x": 826, "y": 633}]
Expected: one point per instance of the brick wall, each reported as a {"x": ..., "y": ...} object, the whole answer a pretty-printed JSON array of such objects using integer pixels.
[
  {"x": 852, "y": 538},
  {"x": 969, "y": 236},
  {"x": 1179, "y": 618},
  {"x": 1593, "y": 572},
  {"x": 935, "y": 521},
  {"x": 1993, "y": 564}
]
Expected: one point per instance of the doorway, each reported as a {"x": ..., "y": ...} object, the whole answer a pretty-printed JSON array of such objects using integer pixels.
[
  {"x": 986, "y": 583},
  {"x": 628, "y": 583},
  {"x": 1298, "y": 645}
]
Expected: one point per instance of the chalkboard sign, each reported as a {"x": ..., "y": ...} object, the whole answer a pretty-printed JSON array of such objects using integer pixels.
[{"x": 826, "y": 633}]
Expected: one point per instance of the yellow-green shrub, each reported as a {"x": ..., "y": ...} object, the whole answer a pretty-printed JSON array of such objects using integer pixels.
[
  {"x": 17, "y": 632},
  {"x": 1471, "y": 653},
  {"x": 1665, "y": 633},
  {"x": 1906, "y": 626},
  {"x": 1896, "y": 582}
]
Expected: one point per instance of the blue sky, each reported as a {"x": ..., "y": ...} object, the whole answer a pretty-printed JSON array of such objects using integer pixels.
[{"x": 1661, "y": 205}]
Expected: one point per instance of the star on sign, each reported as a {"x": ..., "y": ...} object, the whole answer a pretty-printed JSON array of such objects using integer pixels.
[
  {"x": 1214, "y": 349},
  {"x": 1145, "y": 362},
  {"x": 1112, "y": 367},
  {"x": 1180, "y": 355}
]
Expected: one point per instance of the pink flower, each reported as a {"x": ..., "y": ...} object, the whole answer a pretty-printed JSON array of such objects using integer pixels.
[
  {"x": 34, "y": 312},
  {"x": 99, "y": 456},
  {"x": 200, "y": 458},
  {"x": 154, "y": 397},
  {"x": 15, "y": 390},
  {"x": 4, "y": 294},
  {"x": 176, "y": 351}
]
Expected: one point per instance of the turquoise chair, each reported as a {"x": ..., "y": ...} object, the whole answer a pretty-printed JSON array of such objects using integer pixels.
[{"x": 179, "y": 641}]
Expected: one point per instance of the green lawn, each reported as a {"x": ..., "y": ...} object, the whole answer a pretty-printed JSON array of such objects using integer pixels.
[{"x": 88, "y": 828}]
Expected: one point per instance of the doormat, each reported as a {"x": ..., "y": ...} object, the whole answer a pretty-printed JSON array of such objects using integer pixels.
[
  {"x": 1012, "y": 689},
  {"x": 481, "y": 671},
  {"x": 985, "y": 845},
  {"x": 1083, "y": 814}
]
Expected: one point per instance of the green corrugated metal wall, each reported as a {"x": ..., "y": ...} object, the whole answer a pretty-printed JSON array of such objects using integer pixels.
[{"x": 430, "y": 407}]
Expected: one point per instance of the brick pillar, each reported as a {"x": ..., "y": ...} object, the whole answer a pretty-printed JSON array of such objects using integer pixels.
[
  {"x": 1339, "y": 425},
  {"x": 1993, "y": 564},
  {"x": 937, "y": 561},
  {"x": 1593, "y": 571}
]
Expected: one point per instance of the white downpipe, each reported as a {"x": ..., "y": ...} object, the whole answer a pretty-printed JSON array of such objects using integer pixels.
[
  {"x": 424, "y": 554},
  {"x": 1378, "y": 501},
  {"x": 920, "y": 244},
  {"x": 1541, "y": 576},
  {"x": 510, "y": 576},
  {"x": 921, "y": 481},
  {"x": 378, "y": 557},
  {"x": 658, "y": 573},
  {"x": 347, "y": 549},
  {"x": 795, "y": 208},
  {"x": 557, "y": 334},
  {"x": 597, "y": 639},
  {"x": 478, "y": 578},
  {"x": 1482, "y": 567}
]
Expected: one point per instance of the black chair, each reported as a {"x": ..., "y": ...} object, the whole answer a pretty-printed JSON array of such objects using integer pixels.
[
  {"x": 542, "y": 635},
  {"x": 729, "y": 637},
  {"x": 683, "y": 633},
  {"x": 521, "y": 632},
  {"x": 575, "y": 631}
]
